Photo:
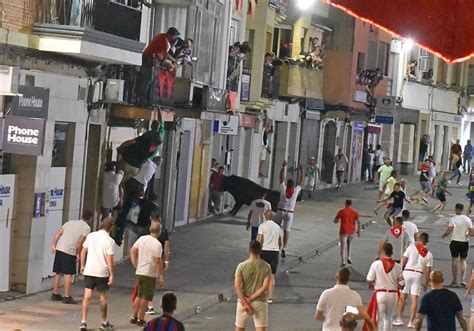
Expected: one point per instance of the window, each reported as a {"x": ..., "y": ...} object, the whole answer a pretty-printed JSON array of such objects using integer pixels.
[
  {"x": 382, "y": 61},
  {"x": 360, "y": 62},
  {"x": 372, "y": 56},
  {"x": 59, "y": 145}
]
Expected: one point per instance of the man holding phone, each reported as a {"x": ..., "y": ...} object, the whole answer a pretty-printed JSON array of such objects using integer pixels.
[{"x": 334, "y": 302}]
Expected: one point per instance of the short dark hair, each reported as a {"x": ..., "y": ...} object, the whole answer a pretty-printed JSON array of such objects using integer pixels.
[
  {"x": 399, "y": 220},
  {"x": 155, "y": 125},
  {"x": 255, "y": 247},
  {"x": 169, "y": 302},
  {"x": 348, "y": 202},
  {"x": 87, "y": 215},
  {"x": 220, "y": 168},
  {"x": 388, "y": 249},
  {"x": 173, "y": 31},
  {"x": 425, "y": 237},
  {"x": 406, "y": 213},
  {"x": 394, "y": 172},
  {"x": 459, "y": 206},
  {"x": 290, "y": 183},
  {"x": 109, "y": 166},
  {"x": 343, "y": 275},
  {"x": 189, "y": 39},
  {"x": 156, "y": 213}
]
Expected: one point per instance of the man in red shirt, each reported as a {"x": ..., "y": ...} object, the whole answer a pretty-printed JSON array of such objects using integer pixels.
[
  {"x": 157, "y": 48},
  {"x": 215, "y": 185},
  {"x": 348, "y": 217}
]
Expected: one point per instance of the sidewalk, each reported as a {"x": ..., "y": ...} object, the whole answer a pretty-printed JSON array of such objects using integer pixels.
[{"x": 204, "y": 256}]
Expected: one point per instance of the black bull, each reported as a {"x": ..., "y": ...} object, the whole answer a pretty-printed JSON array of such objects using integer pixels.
[{"x": 245, "y": 191}]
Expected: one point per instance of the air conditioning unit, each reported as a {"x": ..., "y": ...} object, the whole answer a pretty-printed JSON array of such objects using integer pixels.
[
  {"x": 210, "y": 98},
  {"x": 424, "y": 64},
  {"x": 96, "y": 92},
  {"x": 114, "y": 91},
  {"x": 9, "y": 80}
]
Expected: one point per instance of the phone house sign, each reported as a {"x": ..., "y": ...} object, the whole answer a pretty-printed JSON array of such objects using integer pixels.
[{"x": 23, "y": 135}]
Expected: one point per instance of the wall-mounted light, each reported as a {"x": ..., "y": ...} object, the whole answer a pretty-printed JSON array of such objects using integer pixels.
[
  {"x": 305, "y": 4},
  {"x": 408, "y": 45}
]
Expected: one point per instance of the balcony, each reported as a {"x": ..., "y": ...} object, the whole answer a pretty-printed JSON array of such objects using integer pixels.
[
  {"x": 93, "y": 30},
  {"x": 429, "y": 97},
  {"x": 292, "y": 81}
]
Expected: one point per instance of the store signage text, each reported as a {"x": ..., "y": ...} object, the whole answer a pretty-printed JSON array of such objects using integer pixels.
[
  {"x": 23, "y": 135},
  {"x": 5, "y": 191},
  {"x": 19, "y": 135}
]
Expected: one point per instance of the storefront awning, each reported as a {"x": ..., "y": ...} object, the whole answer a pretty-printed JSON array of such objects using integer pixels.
[
  {"x": 373, "y": 128},
  {"x": 443, "y": 27}
]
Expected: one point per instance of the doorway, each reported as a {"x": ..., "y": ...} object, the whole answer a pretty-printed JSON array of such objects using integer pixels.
[
  {"x": 183, "y": 179},
  {"x": 92, "y": 168},
  {"x": 329, "y": 150}
]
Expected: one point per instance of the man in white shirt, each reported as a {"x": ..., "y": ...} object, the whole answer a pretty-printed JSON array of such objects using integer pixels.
[
  {"x": 256, "y": 216},
  {"x": 288, "y": 195},
  {"x": 409, "y": 227},
  {"x": 110, "y": 188},
  {"x": 341, "y": 162},
  {"x": 417, "y": 263},
  {"x": 66, "y": 247},
  {"x": 98, "y": 270},
  {"x": 384, "y": 277},
  {"x": 460, "y": 226},
  {"x": 145, "y": 256},
  {"x": 333, "y": 302},
  {"x": 269, "y": 235},
  {"x": 135, "y": 189}
]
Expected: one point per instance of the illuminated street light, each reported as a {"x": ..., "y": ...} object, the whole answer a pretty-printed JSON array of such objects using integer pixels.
[
  {"x": 305, "y": 4},
  {"x": 409, "y": 43}
]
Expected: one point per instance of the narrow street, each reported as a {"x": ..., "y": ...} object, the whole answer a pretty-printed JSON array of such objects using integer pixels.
[{"x": 204, "y": 257}]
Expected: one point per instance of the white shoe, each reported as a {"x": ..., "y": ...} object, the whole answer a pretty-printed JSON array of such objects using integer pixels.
[
  {"x": 398, "y": 322},
  {"x": 411, "y": 325}
]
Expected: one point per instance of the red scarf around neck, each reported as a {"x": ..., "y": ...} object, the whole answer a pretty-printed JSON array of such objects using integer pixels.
[
  {"x": 289, "y": 192},
  {"x": 388, "y": 264},
  {"x": 422, "y": 249},
  {"x": 396, "y": 230}
]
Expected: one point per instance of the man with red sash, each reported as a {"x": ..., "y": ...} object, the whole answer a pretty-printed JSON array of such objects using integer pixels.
[
  {"x": 288, "y": 196},
  {"x": 398, "y": 238},
  {"x": 384, "y": 278},
  {"x": 417, "y": 262}
]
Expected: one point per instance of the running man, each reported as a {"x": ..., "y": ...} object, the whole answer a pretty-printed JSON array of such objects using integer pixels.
[
  {"x": 441, "y": 190},
  {"x": 288, "y": 195},
  {"x": 460, "y": 228},
  {"x": 397, "y": 238},
  {"x": 348, "y": 217},
  {"x": 384, "y": 278},
  {"x": 269, "y": 235},
  {"x": 389, "y": 188},
  {"x": 417, "y": 263},
  {"x": 398, "y": 199},
  {"x": 383, "y": 173},
  {"x": 425, "y": 180},
  {"x": 409, "y": 227},
  {"x": 97, "y": 266}
]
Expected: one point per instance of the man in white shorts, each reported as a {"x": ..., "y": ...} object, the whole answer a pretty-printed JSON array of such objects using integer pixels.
[
  {"x": 418, "y": 262},
  {"x": 288, "y": 195}
]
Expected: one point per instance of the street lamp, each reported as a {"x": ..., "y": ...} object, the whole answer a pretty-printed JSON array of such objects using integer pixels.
[
  {"x": 305, "y": 4},
  {"x": 409, "y": 43}
]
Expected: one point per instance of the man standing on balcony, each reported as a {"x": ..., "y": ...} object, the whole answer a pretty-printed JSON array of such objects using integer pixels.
[
  {"x": 233, "y": 74},
  {"x": 157, "y": 48}
]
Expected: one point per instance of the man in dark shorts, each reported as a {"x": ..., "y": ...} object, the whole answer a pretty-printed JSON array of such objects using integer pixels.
[
  {"x": 441, "y": 190},
  {"x": 269, "y": 235},
  {"x": 66, "y": 246},
  {"x": 98, "y": 270},
  {"x": 460, "y": 228},
  {"x": 166, "y": 322}
]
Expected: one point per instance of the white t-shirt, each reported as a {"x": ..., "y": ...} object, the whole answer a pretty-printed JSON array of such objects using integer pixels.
[
  {"x": 110, "y": 189},
  {"x": 271, "y": 232},
  {"x": 146, "y": 172},
  {"x": 72, "y": 232},
  {"x": 379, "y": 154},
  {"x": 383, "y": 280},
  {"x": 462, "y": 224},
  {"x": 416, "y": 261},
  {"x": 99, "y": 244},
  {"x": 410, "y": 229},
  {"x": 285, "y": 203},
  {"x": 149, "y": 248},
  {"x": 333, "y": 302},
  {"x": 258, "y": 208}
]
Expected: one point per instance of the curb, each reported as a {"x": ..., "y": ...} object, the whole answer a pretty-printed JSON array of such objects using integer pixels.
[{"x": 289, "y": 264}]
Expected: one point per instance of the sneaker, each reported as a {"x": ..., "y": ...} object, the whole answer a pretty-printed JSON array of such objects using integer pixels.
[
  {"x": 463, "y": 284},
  {"x": 134, "y": 320},
  {"x": 283, "y": 254},
  {"x": 69, "y": 301},
  {"x": 424, "y": 199},
  {"x": 150, "y": 310},
  {"x": 453, "y": 284},
  {"x": 343, "y": 264},
  {"x": 141, "y": 322},
  {"x": 269, "y": 301},
  {"x": 56, "y": 297},
  {"x": 349, "y": 261},
  {"x": 107, "y": 326},
  {"x": 398, "y": 322},
  {"x": 411, "y": 325},
  {"x": 449, "y": 181},
  {"x": 83, "y": 326}
]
